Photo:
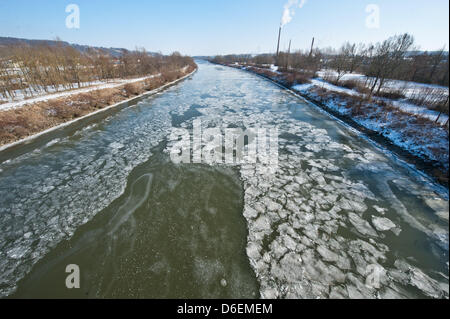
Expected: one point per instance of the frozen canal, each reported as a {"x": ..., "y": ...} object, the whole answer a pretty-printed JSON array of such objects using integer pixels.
[{"x": 339, "y": 218}]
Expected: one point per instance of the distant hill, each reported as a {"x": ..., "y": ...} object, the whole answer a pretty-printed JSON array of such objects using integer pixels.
[
  {"x": 418, "y": 52},
  {"x": 115, "y": 52}
]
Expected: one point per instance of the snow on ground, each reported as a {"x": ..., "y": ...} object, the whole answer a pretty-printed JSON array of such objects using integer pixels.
[
  {"x": 419, "y": 111},
  {"x": 99, "y": 85},
  {"x": 274, "y": 68},
  {"x": 410, "y": 87},
  {"x": 24, "y": 94},
  {"x": 330, "y": 87},
  {"x": 402, "y": 104},
  {"x": 303, "y": 87}
]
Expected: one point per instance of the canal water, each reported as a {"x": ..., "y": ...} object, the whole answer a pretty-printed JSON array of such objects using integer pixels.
[{"x": 338, "y": 217}]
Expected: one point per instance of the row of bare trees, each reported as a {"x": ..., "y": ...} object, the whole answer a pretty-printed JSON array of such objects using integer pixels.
[
  {"x": 306, "y": 62},
  {"x": 29, "y": 70},
  {"x": 393, "y": 58}
]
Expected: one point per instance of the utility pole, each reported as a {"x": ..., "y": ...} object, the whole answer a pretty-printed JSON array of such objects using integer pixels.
[
  {"x": 312, "y": 47},
  {"x": 288, "y": 56}
]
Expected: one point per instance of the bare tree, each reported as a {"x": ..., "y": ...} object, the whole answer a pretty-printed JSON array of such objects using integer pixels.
[
  {"x": 436, "y": 60},
  {"x": 44, "y": 67},
  {"x": 387, "y": 58}
]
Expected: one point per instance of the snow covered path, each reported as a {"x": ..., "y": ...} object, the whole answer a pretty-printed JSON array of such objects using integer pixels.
[{"x": 45, "y": 97}]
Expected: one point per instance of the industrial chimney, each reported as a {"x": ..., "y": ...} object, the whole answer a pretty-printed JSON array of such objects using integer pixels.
[
  {"x": 278, "y": 45},
  {"x": 312, "y": 47}
]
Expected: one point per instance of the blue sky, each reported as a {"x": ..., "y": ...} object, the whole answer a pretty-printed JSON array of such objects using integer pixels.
[{"x": 208, "y": 27}]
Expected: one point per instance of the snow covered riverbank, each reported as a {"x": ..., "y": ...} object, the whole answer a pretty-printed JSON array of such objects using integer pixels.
[
  {"x": 414, "y": 132},
  {"x": 409, "y": 89}
]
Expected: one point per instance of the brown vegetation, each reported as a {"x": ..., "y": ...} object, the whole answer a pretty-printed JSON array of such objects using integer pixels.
[
  {"x": 293, "y": 78},
  {"x": 31, "y": 70},
  {"x": 19, "y": 123}
]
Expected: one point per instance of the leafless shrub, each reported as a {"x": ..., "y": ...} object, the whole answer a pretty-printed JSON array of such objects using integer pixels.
[
  {"x": 351, "y": 84},
  {"x": 170, "y": 75},
  {"x": 294, "y": 78},
  {"x": 432, "y": 98},
  {"x": 132, "y": 89},
  {"x": 393, "y": 94},
  {"x": 264, "y": 72},
  {"x": 330, "y": 77}
]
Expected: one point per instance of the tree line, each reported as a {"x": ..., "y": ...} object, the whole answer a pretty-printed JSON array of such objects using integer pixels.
[
  {"x": 393, "y": 58},
  {"x": 32, "y": 69}
]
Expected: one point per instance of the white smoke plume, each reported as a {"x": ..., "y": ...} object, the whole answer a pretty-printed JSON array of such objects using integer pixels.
[{"x": 289, "y": 10}]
